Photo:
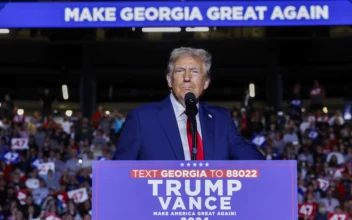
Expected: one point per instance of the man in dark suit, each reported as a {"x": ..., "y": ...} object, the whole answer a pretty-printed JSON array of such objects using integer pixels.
[{"x": 161, "y": 131}]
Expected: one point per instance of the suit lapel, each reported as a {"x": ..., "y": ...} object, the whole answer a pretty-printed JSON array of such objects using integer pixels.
[
  {"x": 168, "y": 121},
  {"x": 207, "y": 122}
]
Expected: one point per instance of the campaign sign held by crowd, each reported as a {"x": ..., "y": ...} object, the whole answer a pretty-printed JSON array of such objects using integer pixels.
[
  {"x": 19, "y": 143},
  {"x": 194, "y": 190}
]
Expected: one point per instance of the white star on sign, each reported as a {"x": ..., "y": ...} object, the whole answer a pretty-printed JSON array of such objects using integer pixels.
[
  {"x": 206, "y": 164},
  {"x": 188, "y": 164},
  {"x": 182, "y": 164},
  {"x": 194, "y": 164},
  {"x": 200, "y": 164}
]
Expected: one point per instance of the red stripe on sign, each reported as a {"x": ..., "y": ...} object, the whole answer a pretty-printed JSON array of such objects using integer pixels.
[{"x": 195, "y": 173}]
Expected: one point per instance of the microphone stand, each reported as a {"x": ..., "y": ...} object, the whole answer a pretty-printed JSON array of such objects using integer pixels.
[
  {"x": 192, "y": 112},
  {"x": 194, "y": 138}
]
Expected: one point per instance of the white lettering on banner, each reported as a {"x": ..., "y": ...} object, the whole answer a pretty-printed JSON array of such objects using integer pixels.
[
  {"x": 189, "y": 13},
  {"x": 315, "y": 12},
  {"x": 236, "y": 13},
  {"x": 11, "y": 156},
  {"x": 210, "y": 203},
  {"x": 91, "y": 15},
  {"x": 218, "y": 187},
  {"x": 183, "y": 173},
  {"x": 161, "y": 14}
]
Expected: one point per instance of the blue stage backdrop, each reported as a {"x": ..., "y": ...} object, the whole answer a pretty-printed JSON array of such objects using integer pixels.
[{"x": 171, "y": 14}]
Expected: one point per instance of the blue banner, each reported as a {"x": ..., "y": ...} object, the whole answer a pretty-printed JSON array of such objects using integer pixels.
[
  {"x": 175, "y": 14},
  {"x": 194, "y": 190},
  {"x": 11, "y": 157}
]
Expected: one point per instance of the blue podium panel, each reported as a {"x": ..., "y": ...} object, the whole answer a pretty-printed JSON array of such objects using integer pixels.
[
  {"x": 175, "y": 14},
  {"x": 201, "y": 190}
]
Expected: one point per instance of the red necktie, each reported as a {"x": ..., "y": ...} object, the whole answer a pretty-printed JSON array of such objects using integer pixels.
[{"x": 200, "y": 153}]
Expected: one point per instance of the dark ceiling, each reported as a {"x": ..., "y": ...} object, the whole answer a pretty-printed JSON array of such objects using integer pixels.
[{"x": 135, "y": 68}]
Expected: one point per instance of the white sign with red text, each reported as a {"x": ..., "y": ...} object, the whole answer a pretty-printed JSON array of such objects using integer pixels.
[
  {"x": 45, "y": 167},
  {"x": 19, "y": 143},
  {"x": 323, "y": 184},
  {"x": 78, "y": 195},
  {"x": 21, "y": 196}
]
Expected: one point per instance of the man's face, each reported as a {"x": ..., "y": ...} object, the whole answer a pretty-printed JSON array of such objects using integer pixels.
[{"x": 188, "y": 76}]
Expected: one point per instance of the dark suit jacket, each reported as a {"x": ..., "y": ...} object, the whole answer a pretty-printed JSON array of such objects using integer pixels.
[{"x": 150, "y": 132}]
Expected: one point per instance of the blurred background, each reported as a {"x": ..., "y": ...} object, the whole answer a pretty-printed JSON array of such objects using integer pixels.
[
  {"x": 126, "y": 66},
  {"x": 65, "y": 92}
]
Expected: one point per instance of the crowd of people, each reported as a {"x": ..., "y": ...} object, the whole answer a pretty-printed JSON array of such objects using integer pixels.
[
  {"x": 45, "y": 162},
  {"x": 320, "y": 142}
]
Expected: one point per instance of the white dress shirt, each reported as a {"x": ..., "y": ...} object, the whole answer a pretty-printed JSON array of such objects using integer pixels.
[{"x": 181, "y": 119}]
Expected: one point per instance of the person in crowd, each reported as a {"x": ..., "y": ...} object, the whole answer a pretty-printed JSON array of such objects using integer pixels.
[
  {"x": 8, "y": 107},
  {"x": 296, "y": 103},
  {"x": 235, "y": 118},
  {"x": 317, "y": 95},
  {"x": 97, "y": 116},
  {"x": 248, "y": 103}
]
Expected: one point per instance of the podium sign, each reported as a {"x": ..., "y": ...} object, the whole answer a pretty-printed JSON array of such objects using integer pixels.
[{"x": 200, "y": 190}]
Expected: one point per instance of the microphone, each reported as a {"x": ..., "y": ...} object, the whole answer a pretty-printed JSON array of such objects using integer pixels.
[
  {"x": 190, "y": 99},
  {"x": 192, "y": 111}
]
